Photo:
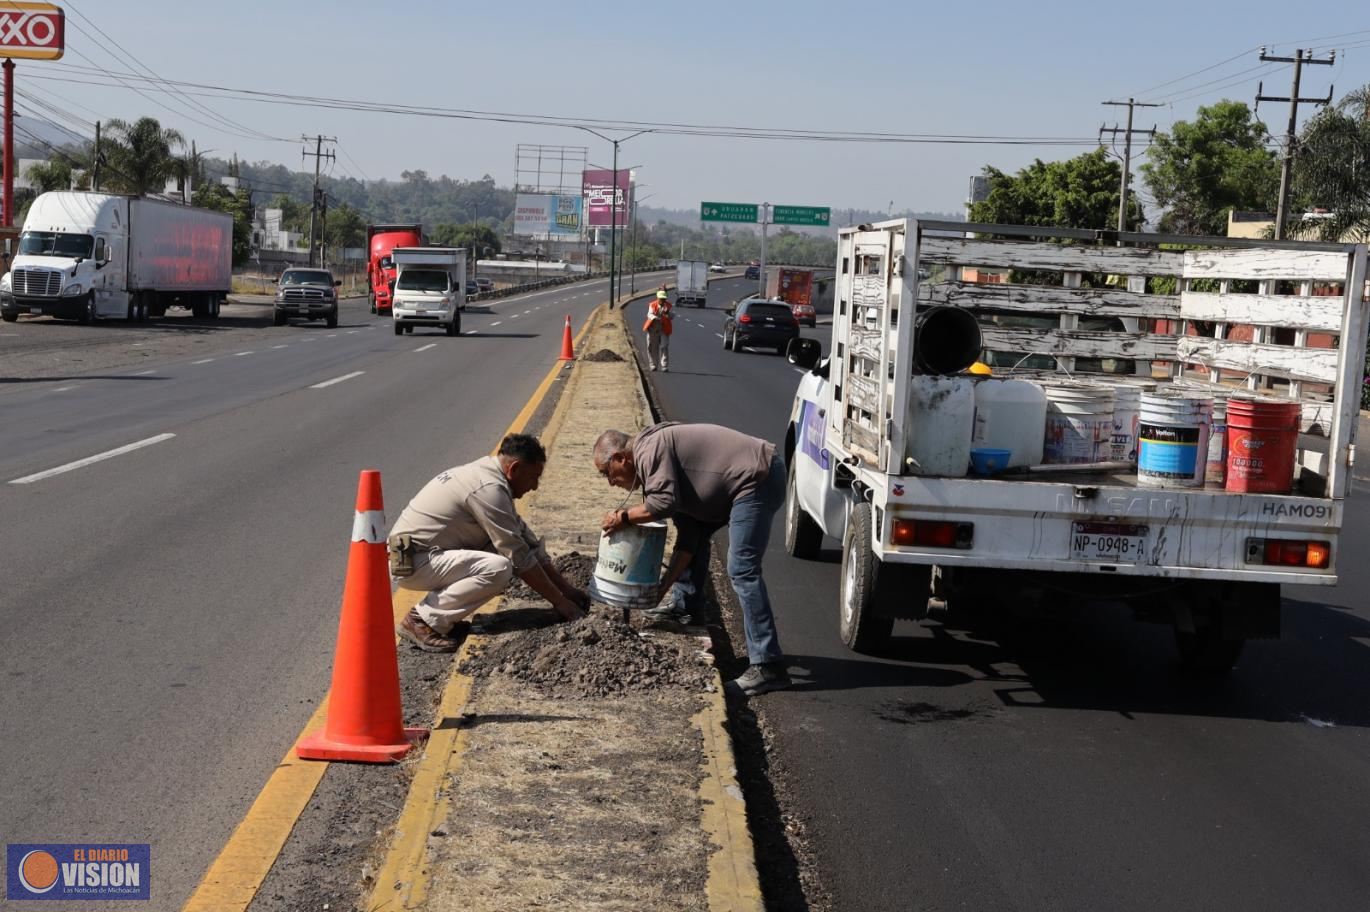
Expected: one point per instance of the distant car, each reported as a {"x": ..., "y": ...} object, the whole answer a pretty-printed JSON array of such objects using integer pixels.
[
  {"x": 718, "y": 267},
  {"x": 805, "y": 314},
  {"x": 485, "y": 284},
  {"x": 472, "y": 287},
  {"x": 753, "y": 271},
  {"x": 760, "y": 323},
  {"x": 308, "y": 293}
]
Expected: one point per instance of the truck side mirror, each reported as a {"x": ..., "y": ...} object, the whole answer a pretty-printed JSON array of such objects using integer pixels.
[{"x": 803, "y": 353}]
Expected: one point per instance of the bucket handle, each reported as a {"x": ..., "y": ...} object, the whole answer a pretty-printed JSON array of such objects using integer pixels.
[{"x": 1051, "y": 355}]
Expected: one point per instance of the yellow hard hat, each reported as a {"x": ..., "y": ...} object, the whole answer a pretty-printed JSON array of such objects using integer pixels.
[
  {"x": 661, "y": 294},
  {"x": 980, "y": 369}
]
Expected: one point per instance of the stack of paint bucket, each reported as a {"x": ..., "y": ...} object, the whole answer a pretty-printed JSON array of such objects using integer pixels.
[
  {"x": 1127, "y": 403},
  {"x": 1215, "y": 473},
  {"x": 1173, "y": 431},
  {"x": 1079, "y": 423},
  {"x": 1262, "y": 442}
]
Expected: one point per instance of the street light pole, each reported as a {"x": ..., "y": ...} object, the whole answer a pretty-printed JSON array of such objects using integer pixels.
[{"x": 613, "y": 227}]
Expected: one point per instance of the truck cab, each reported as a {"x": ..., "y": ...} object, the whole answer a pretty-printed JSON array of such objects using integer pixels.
[
  {"x": 430, "y": 288},
  {"x": 381, "y": 241},
  {"x": 66, "y": 264}
]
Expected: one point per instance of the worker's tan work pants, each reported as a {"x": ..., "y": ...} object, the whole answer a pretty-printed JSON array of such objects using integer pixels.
[
  {"x": 459, "y": 582},
  {"x": 658, "y": 349}
]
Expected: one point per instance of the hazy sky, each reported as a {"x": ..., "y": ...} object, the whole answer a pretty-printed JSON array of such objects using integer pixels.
[{"x": 988, "y": 68}]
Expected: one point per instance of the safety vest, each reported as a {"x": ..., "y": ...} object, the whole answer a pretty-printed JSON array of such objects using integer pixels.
[{"x": 658, "y": 309}]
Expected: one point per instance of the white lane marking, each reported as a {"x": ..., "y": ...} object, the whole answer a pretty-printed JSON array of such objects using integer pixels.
[
  {"x": 424, "y": 348},
  {"x": 497, "y": 323},
  {"x": 274, "y": 347},
  {"x": 240, "y": 354},
  {"x": 528, "y": 311},
  {"x": 202, "y": 361},
  {"x": 98, "y": 457},
  {"x": 319, "y": 386},
  {"x": 332, "y": 335},
  {"x": 302, "y": 341},
  {"x": 515, "y": 316},
  {"x": 144, "y": 373},
  {"x": 353, "y": 332},
  {"x": 63, "y": 389},
  {"x": 720, "y": 335},
  {"x": 471, "y": 332},
  {"x": 799, "y": 370}
]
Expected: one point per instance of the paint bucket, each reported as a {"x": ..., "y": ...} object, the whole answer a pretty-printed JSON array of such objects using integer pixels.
[
  {"x": 1215, "y": 474},
  {"x": 1127, "y": 405},
  {"x": 629, "y": 567},
  {"x": 946, "y": 340},
  {"x": 1262, "y": 441},
  {"x": 941, "y": 419},
  {"x": 1079, "y": 423},
  {"x": 1172, "y": 436}
]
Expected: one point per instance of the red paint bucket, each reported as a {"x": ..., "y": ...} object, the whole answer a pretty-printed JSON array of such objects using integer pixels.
[{"x": 1262, "y": 440}]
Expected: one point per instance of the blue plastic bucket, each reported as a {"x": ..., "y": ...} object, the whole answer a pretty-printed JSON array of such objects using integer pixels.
[
  {"x": 1172, "y": 432},
  {"x": 629, "y": 567}
]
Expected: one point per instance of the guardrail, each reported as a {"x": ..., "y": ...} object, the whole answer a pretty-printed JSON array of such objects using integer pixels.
[{"x": 544, "y": 283}]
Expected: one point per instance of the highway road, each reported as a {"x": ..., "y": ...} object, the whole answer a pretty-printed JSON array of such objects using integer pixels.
[
  {"x": 173, "y": 609},
  {"x": 1074, "y": 769}
]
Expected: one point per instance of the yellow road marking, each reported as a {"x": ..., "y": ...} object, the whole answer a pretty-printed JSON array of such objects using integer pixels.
[{"x": 236, "y": 875}]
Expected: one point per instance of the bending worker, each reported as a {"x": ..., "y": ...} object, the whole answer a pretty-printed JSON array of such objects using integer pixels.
[
  {"x": 706, "y": 477},
  {"x": 658, "y": 330},
  {"x": 462, "y": 539}
]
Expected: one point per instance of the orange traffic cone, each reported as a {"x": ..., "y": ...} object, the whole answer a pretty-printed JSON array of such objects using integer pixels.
[
  {"x": 365, "y": 721},
  {"x": 567, "y": 354}
]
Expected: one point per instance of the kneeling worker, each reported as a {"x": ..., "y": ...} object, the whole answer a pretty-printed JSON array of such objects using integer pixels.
[{"x": 461, "y": 539}]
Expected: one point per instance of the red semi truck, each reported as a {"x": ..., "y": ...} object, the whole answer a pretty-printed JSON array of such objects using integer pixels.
[
  {"x": 795, "y": 288},
  {"x": 380, "y": 269}
]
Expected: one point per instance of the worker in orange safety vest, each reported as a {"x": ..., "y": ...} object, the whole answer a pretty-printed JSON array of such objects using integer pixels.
[{"x": 658, "y": 330}]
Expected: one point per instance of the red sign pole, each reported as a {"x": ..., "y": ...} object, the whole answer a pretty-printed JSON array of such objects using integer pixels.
[{"x": 9, "y": 143}]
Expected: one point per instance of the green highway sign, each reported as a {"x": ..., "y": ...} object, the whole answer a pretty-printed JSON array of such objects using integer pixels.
[
  {"x": 728, "y": 212},
  {"x": 801, "y": 215}
]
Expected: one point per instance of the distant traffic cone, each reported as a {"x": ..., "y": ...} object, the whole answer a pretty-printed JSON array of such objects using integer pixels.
[
  {"x": 365, "y": 721},
  {"x": 567, "y": 354}
]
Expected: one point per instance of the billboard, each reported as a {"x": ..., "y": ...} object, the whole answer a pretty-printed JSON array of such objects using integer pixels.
[
  {"x": 32, "y": 30},
  {"x": 598, "y": 187},
  {"x": 547, "y": 215}
]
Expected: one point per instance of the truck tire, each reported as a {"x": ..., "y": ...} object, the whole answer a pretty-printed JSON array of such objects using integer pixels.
[
  {"x": 332, "y": 320},
  {"x": 10, "y": 317},
  {"x": 277, "y": 318},
  {"x": 214, "y": 304},
  {"x": 88, "y": 311},
  {"x": 803, "y": 537},
  {"x": 199, "y": 308},
  {"x": 399, "y": 328},
  {"x": 454, "y": 328},
  {"x": 861, "y": 629},
  {"x": 371, "y": 299},
  {"x": 1207, "y": 651}
]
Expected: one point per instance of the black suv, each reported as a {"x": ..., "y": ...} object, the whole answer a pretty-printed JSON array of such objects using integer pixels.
[
  {"x": 760, "y": 323},
  {"x": 308, "y": 293}
]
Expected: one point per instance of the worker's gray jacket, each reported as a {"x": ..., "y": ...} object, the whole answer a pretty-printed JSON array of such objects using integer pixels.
[{"x": 471, "y": 508}]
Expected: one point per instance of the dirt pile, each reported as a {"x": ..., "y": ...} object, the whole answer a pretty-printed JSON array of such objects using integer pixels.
[
  {"x": 597, "y": 656},
  {"x": 604, "y": 354},
  {"x": 578, "y": 569}
]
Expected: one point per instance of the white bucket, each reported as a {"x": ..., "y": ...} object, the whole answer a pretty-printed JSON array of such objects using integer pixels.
[
  {"x": 1079, "y": 425},
  {"x": 1127, "y": 405},
  {"x": 1173, "y": 434},
  {"x": 941, "y": 419},
  {"x": 629, "y": 567},
  {"x": 1215, "y": 474},
  {"x": 1011, "y": 415}
]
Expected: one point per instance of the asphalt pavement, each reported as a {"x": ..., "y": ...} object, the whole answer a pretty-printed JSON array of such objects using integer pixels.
[
  {"x": 173, "y": 604},
  {"x": 1072, "y": 766}
]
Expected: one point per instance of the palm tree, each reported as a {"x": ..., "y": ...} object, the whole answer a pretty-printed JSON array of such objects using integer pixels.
[{"x": 142, "y": 155}]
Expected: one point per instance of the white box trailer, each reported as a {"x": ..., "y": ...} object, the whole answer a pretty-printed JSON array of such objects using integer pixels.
[
  {"x": 1280, "y": 320},
  {"x": 91, "y": 256},
  {"x": 430, "y": 288},
  {"x": 692, "y": 282}
]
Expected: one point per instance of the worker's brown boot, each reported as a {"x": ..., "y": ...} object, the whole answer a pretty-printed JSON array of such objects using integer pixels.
[{"x": 414, "y": 629}]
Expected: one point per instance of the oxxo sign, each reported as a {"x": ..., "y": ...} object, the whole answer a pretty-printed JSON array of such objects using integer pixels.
[{"x": 34, "y": 31}]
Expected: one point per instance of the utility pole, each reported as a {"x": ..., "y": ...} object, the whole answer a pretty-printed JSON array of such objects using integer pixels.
[
  {"x": 1300, "y": 58},
  {"x": 319, "y": 156},
  {"x": 95, "y": 161},
  {"x": 1127, "y": 151}
]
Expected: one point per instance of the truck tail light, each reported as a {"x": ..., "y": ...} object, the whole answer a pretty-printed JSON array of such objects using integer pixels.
[
  {"x": 928, "y": 534},
  {"x": 744, "y": 319},
  {"x": 1284, "y": 552}
]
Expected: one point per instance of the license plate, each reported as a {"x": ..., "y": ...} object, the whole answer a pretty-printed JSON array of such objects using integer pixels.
[
  {"x": 36, "y": 311},
  {"x": 1110, "y": 543},
  {"x": 303, "y": 310}
]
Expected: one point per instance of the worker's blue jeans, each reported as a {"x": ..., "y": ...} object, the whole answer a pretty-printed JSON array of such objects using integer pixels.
[{"x": 749, "y": 532}]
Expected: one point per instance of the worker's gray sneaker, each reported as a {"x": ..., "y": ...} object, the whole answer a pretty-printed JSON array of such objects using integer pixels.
[{"x": 759, "y": 679}]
